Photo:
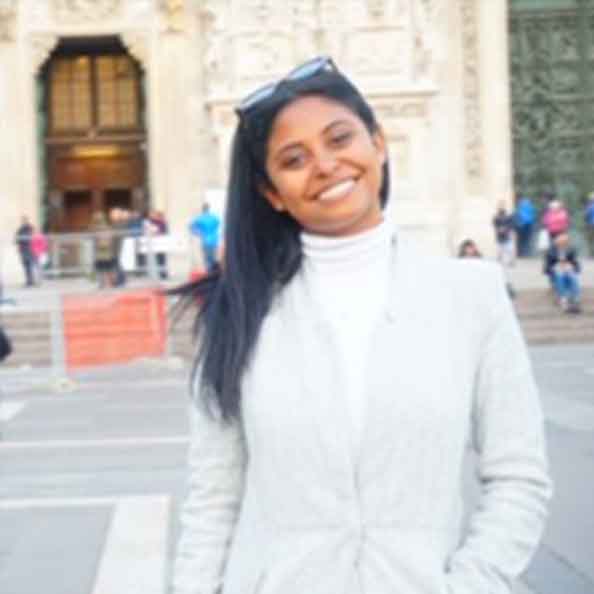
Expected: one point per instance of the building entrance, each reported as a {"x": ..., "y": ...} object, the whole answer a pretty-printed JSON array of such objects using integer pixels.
[
  {"x": 552, "y": 87},
  {"x": 95, "y": 137}
]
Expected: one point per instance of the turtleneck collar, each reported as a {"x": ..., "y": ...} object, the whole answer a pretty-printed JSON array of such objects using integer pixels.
[{"x": 320, "y": 249}]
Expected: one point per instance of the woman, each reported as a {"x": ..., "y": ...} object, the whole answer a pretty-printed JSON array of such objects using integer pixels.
[
  {"x": 105, "y": 250},
  {"x": 337, "y": 388}
]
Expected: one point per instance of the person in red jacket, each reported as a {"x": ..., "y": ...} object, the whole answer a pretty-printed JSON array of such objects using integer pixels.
[
  {"x": 556, "y": 219},
  {"x": 39, "y": 248}
]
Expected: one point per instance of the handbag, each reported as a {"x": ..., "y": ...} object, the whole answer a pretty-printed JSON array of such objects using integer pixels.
[
  {"x": 5, "y": 345},
  {"x": 543, "y": 240}
]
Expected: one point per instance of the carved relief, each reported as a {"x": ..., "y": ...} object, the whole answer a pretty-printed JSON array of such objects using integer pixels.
[
  {"x": 174, "y": 13},
  {"x": 398, "y": 109},
  {"x": 218, "y": 53},
  {"x": 8, "y": 10},
  {"x": 332, "y": 12},
  {"x": 84, "y": 10},
  {"x": 41, "y": 46},
  {"x": 390, "y": 56},
  {"x": 136, "y": 43},
  {"x": 471, "y": 84},
  {"x": 424, "y": 19},
  {"x": 261, "y": 56},
  {"x": 306, "y": 29}
]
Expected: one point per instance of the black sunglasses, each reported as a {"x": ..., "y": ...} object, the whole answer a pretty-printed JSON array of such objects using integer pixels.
[{"x": 307, "y": 70}]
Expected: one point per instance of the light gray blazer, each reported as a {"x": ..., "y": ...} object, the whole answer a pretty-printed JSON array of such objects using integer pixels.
[{"x": 279, "y": 504}]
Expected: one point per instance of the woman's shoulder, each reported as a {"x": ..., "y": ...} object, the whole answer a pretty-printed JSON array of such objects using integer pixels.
[{"x": 472, "y": 283}]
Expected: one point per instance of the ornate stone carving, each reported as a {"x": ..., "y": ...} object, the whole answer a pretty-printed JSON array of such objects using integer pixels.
[
  {"x": 306, "y": 29},
  {"x": 424, "y": 20},
  {"x": 41, "y": 46},
  {"x": 390, "y": 56},
  {"x": 395, "y": 109},
  {"x": 84, "y": 10},
  {"x": 137, "y": 44},
  {"x": 8, "y": 10},
  {"x": 218, "y": 53},
  {"x": 473, "y": 140},
  {"x": 174, "y": 12}
]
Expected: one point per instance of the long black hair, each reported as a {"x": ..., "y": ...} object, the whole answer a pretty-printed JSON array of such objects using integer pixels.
[{"x": 262, "y": 246}]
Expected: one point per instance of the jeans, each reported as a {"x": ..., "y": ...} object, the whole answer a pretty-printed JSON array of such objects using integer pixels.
[
  {"x": 210, "y": 256},
  {"x": 28, "y": 268},
  {"x": 525, "y": 240},
  {"x": 566, "y": 285}
]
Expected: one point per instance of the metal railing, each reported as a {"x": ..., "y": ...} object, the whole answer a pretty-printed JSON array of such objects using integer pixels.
[{"x": 121, "y": 253}]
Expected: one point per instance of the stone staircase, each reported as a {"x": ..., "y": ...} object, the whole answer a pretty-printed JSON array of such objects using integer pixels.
[
  {"x": 30, "y": 334},
  {"x": 541, "y": 321},
  {"x": 544, "y": 323}
]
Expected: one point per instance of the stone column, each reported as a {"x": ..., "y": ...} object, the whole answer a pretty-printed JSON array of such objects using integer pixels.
[
  {"x": 10, "y": 204},
  {"x": 486, "y": 119},
  {"x": 178, "y": 159},
  {"x": 495, "y": 102}
]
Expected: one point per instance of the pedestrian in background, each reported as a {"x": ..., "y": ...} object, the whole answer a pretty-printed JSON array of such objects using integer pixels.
[
  {"x": 23, "y": 242},
  {"x": 207, "y": 227},
  {"x": 105, "y": 250},
  {"x": 135, "y": 229},
  {"x": 525, "y": 217},
  {"x": 503, "y": 223},
  {"x": 39, "y": 249},
  {"x": 336, "y": 387},
  {"x": 157, "y": 218},
  {"x": 589, "y": 223},
  {"x": 119, "y": 223},
  {"x": 556, "y": 218},
  {"x": 562, "y": 267}
]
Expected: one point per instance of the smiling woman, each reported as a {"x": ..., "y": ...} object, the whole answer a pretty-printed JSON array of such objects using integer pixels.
[
  {"x": 340, "y": 376},
  {"x": 325, "y": 167}
]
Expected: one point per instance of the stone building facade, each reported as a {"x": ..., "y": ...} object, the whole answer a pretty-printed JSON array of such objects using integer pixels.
[{"x": 436, "y": 71}]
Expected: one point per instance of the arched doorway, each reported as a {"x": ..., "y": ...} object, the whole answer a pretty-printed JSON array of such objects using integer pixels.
[{"x": 94, "y": 134}]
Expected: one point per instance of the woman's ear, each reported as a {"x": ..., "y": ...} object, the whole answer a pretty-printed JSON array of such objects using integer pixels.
[{"x": 273, "y": 197}]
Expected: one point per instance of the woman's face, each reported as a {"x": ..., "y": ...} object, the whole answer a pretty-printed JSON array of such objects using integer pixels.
[{"x": 325, "y": 167}]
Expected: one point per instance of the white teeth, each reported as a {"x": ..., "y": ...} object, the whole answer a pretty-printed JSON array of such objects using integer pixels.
[{"x": 338, "y": 191}]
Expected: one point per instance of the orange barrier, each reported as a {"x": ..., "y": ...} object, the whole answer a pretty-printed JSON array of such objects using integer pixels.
[{"x": 114, "y": 328}]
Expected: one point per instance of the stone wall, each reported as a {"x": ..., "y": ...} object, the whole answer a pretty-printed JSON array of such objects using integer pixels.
[{"x": 435, "y": 71}]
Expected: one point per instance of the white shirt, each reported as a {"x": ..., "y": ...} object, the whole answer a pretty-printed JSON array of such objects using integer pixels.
[{"x": 348, "y": 280}]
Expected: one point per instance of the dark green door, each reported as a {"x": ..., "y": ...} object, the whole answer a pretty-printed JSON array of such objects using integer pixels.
[{"x": 552, "y": 72}]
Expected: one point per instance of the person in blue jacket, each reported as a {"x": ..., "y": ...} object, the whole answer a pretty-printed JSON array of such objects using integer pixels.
[
  {"x": 207, "y": 227},
  {"x": 525, "y": 220}
]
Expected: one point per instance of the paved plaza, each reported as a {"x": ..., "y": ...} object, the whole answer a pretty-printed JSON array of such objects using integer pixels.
[{"x": 93, "y": 472}]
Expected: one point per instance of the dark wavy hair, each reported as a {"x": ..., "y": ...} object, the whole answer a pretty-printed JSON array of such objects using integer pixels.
[{"x": 262, "y": 247}]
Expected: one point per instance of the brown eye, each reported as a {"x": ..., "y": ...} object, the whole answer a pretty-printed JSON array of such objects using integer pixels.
[
  {"x": 341, "y": 138},
  {"x": 293, "y": 161}
]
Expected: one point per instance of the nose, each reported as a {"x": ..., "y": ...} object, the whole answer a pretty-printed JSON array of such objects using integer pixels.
[{"x": 326, "y": 164}]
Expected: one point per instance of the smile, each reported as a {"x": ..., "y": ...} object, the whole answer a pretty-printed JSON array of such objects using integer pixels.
[{"x": 340, "y": 190}]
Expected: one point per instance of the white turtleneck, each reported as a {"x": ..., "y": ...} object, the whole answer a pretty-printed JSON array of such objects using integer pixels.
[{"x": 348, "y": 279}]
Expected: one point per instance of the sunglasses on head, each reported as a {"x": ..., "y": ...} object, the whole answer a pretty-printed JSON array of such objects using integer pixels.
[{"x": 304, "y": 71}]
